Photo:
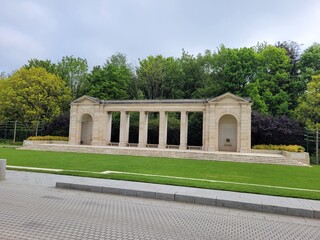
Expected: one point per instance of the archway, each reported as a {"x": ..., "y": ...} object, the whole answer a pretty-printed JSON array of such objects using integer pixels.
[
  {"x": 86, "y": 129},
  {"x": 228, "y": 133}
]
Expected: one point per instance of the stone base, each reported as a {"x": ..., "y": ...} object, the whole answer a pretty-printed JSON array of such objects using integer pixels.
[{"x": 170, "y": 153}]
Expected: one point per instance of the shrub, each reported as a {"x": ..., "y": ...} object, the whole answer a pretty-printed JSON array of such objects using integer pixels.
[
  {"x": 289, "y": 148},
  {"x": 48, "y": 138},
  {"x": 276, "y": 130}
]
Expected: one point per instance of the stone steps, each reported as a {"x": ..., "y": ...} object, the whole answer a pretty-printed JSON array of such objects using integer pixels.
[{"x": 170, "y": 153}]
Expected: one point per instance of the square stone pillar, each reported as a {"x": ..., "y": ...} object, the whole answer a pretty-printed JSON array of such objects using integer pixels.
[
  {"x": 108, "y": 129},
  {"x": 98, "y": 127},
  {"x": 244, "y": 142},
  {"x": 124, "y": 128},
  {"x": 183, "y": 130},
  {"x": 143, "y": 129},
  {"x": 163, "y": 125},
  {"x": 74, "y": 136},
  {"x": 205, "y": 129}
]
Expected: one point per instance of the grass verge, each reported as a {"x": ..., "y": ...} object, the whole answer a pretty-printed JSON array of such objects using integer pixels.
[{"x": 262, "y": 174}]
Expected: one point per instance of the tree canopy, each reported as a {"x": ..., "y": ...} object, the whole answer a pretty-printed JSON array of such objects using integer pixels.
[
  {"x": 281, "y": 79},
  {"x": 308, "y": 110},
  {"x": 32, "y": 95}
]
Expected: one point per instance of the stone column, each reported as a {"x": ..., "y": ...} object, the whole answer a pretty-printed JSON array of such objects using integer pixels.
[
  {"x": 204, "y": 132},
  {"x": 183, "y": 130},
  {"x": 244, "y": 140},
  {"x": 143, "y": 129},
  {"x": 163, "y": 124},
  {"x": 3, "y": 163},
  {"x": 124, "y": 129},
  {"x": 213, "y": 129},
  {"x": 98, "y": 126},
  {"x": 108, "y": 129},
  {"x": 73, "y": 135}
]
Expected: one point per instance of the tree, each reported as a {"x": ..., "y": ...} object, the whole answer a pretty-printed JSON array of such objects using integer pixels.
[
  {"x": 270, "y": 85},
  {"x": 74, "y": 71},
  {"x": 309, "y": 63},
  {"x": 159, "y": 77},
  {"x": 197, "y": 80},
  {"x": 293, "y": 51},
  {"x": 3, "y": 75},
  {"x": 32, "y": 95},
  {"x": 111, "y": 81},
  {"x": 46, "y": 64},
  {"x": 234, "y": 68},
  {"x": 308, "y": 110}
]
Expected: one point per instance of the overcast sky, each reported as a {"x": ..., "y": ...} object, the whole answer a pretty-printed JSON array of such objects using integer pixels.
[{"x": 96, "y": 29}]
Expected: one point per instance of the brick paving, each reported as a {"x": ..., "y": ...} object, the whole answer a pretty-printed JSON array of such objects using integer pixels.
[{"x": 32, "y": 208}]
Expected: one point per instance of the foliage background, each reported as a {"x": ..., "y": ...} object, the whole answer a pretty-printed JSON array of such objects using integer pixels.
[{"x": 282, "y": 81}]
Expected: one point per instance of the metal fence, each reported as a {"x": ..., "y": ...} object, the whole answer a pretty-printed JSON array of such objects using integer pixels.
[{"x": 16, "y": 131}]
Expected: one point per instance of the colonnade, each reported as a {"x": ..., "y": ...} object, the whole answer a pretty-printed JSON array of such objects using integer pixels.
[
  {"x": 143, "y": 129},
  {"x": 230, "y": 133}
]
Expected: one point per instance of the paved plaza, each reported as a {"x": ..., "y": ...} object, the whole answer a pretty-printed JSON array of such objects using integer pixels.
[{"x": 32, "y": 208}]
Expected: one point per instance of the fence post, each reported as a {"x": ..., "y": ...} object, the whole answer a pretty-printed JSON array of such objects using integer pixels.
[{"x": 3, "y": 163}]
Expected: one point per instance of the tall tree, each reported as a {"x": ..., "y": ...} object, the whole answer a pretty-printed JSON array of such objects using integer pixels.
[
  {"x": 296, "y": 84},
  {"x": 308, "y": 110},
  {"x": 269, "y": 89},
  {"x": 293, "y": 51},
  {"x": 33, "y": 95},
  {"x": 46, "y": 64},
  {"x": 111, "y": 81},
  {"x": 235, "y": 68},
  {"x": 159, "y": 77},
  {"x": 74, "y": 71},
  {"x": 309, "y": 63}
]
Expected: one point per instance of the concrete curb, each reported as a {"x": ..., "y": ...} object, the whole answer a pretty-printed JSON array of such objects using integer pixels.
[{"x": 244, "y": 201}]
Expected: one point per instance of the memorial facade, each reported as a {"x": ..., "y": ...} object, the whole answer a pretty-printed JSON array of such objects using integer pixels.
[{"x": 226, "y": 122}]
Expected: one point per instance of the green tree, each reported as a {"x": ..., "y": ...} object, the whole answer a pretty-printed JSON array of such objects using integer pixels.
[
  {"x": 32, "y": 95},
  {"x": 270, "y": 86},
  {"x": 74, "y": 71},
  {"x": 235, "y": 68},
  {"x": 192, "y": 83},
  {"x": 46, "y": 64},
  {"x": 112, "y": 81},
  {"x": 308, "y": 110},
  {"x": 159, "y": 77},
  {"x": 309, "y": 63}
]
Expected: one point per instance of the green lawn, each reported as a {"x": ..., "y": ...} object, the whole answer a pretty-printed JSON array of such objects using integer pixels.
[{"x": 307, "y": 178}]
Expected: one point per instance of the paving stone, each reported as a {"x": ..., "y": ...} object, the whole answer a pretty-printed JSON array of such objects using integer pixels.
[{"x": 31, "y": 208}]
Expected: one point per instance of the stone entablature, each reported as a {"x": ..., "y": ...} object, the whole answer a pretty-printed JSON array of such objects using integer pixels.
[{"x": 226, "y": 121}]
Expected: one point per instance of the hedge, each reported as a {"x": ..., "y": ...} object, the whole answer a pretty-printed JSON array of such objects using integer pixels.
[
  {"x": 48, "y": 138},
  {"x": 289, "y": 148}
]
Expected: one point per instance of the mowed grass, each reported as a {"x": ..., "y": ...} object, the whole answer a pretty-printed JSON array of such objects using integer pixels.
[{"x": 262, "y": 174}]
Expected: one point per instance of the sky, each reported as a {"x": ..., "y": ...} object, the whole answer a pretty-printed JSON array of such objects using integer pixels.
[{"x": 96, "y": 29}]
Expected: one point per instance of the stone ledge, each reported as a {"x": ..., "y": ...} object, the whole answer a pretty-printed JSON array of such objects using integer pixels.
[
  {"x": 170, "y": 153},
  {"x": 207, "y": 197}
]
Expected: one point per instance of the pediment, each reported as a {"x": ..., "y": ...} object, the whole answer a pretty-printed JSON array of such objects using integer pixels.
[
  {"x": 228, "y": 98},
  {"x": 86, "y": 100}
]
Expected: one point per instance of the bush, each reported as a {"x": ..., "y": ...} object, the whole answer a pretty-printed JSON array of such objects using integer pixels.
[
  {"x": 289, "y": 148},
  {"x": 276, "y": 130},
  {"x": 58, "y": 126},
  {"x": 48, "y": 138}
]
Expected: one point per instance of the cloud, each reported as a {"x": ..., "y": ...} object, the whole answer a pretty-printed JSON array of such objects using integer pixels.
[{"x": 97, "y": 29}]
